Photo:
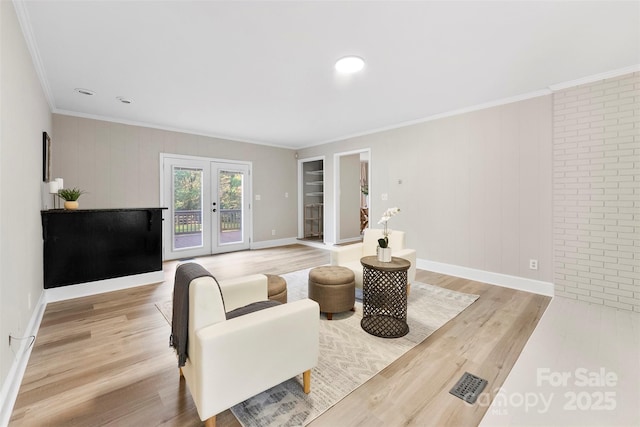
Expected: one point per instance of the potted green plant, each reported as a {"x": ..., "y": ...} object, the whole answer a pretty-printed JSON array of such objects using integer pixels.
[{"x": 70, "y": 196}]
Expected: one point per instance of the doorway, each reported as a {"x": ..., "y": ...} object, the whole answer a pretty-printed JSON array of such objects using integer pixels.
[
  {"x": 208, "y": 206},
  {"x": 352, "y": 177},
  {"x": 311, "y": 196}
]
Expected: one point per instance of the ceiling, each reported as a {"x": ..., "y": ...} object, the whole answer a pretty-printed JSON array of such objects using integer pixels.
[{"x": 262, "y": 71}]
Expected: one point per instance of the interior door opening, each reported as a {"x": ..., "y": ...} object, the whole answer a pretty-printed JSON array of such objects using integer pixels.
[
  {"x": 352, "y": 177},
  {"x": 311, "y": 184}
]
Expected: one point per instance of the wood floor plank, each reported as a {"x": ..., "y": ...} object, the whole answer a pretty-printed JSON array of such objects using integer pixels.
[{"x": 105, "y": 360}]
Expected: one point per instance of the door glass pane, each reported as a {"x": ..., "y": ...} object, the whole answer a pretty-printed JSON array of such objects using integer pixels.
[
  {"x": 187, "y": 207},
  {"x": 230, "y": 187}
]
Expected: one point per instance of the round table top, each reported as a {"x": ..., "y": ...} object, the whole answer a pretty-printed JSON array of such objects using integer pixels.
[{"x": 396, "y": 264}]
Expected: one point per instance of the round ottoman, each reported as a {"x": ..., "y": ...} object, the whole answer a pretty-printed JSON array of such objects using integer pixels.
[
  {"x": 277, "y": 288},
  {"x": 333, "y": 288}
]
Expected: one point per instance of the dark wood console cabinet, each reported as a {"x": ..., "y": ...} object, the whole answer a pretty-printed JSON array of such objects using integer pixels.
[{"x": 96, "y": 244}]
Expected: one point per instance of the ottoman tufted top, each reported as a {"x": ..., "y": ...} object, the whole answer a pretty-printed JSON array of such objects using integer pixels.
[
  {"x": 276, "y": 284},
  {"x": 331, "y": 275}
]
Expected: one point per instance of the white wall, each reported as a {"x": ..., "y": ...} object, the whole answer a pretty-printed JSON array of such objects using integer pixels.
[
  {"x": 24, "y": 115},
  {"x": 597, "y": 192},
  {"x": 476, "y": 188},
  {"x": 118, "y": 166}
]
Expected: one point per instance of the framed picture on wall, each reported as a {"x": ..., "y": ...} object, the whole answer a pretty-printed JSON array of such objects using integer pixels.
[{"x": 46, "y": 157}]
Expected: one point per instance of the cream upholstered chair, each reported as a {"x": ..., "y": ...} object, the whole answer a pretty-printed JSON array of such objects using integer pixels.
[
  {"x": 349, "y": 255},
  {"x": 229, "y": 361}
]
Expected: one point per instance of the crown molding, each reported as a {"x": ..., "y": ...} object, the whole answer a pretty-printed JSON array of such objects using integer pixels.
[
  {"x": 594, "y": 78},
  {"x": 451, "y": 113},
  {"x": 27, "y": 30},
  {"x": 542, "y": 92},
  {"x": 20, "y": 7},
  {"x": 159, "y": 127}
]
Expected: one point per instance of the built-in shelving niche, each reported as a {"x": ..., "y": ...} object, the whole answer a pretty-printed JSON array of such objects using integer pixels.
[{"x": 313, "y": 199}]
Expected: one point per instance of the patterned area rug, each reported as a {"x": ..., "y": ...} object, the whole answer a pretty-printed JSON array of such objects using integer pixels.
[{"x": 348, "y": 355}]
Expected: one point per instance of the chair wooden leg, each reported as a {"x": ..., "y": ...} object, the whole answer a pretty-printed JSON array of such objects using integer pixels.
[
  {"x": 181, "y": 373},
  {"x": 306, "y": 381},
  {"x": 210, "y": 422},
  {"x": 329, "y": 316}
]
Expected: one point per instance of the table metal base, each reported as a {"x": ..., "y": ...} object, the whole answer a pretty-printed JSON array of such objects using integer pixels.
[
  {"x": 384, "y": 297},
  {"x": 385, "y": 326}
]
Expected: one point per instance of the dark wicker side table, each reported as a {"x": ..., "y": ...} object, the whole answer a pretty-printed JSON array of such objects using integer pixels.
[{"x": 384, "y": 297}]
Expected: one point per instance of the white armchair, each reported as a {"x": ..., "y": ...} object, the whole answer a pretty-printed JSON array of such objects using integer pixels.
[
  {"x": 349, "y": 255},
  {"x": 229, "y": 361}
]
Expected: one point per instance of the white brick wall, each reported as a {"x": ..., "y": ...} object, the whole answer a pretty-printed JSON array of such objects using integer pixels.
[{"x": 596, "y": 192}]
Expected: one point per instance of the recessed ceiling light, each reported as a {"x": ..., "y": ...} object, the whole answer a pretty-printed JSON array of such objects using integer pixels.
[
  {"x": 350, "y": 64},
  {"x": 125, "y": 100},
  {"x": 84, "y": 91}
]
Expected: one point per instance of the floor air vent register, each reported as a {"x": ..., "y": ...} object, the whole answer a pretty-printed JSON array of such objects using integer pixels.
[{"x": 469, "y": 387}]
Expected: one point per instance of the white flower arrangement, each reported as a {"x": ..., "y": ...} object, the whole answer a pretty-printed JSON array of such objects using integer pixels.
[{"x": 386, "y": 216}]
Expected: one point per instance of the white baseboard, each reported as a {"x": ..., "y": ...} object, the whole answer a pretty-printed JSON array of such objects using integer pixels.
[
  {"x": 350, "y": 240},
  {"x": 504, "y": 280},
  {"x": 12, "y": 382},
  {"x": 11, "y": 385},
  {"x": 289, "y": 241},
  {"x": 273, "y": 243},
  {"x": 313, "y": 243},
  {"x": 101, "y": 286}
]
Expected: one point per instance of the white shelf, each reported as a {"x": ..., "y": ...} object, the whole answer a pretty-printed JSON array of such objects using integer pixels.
[
  {"x": 313, "y": 219},
  {"x": 313, "y": 181}
]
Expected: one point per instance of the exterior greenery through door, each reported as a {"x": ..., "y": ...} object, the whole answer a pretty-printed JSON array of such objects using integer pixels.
[{"x": 188, "y": 200}]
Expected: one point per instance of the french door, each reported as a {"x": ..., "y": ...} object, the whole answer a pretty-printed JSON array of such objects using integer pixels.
[{"x": 208, "y": 206}]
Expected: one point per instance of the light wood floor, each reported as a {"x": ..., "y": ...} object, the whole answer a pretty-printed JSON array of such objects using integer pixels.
[
  {"x": 575, "y": 336},
  {"x": 105, "y": 359}
]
